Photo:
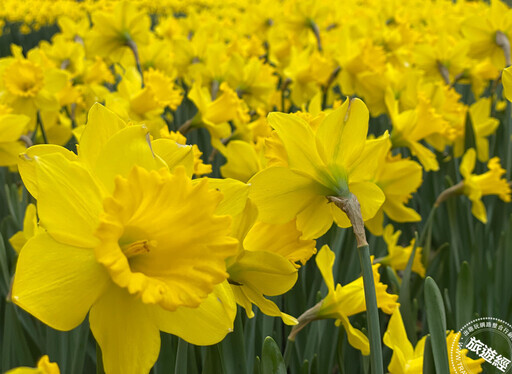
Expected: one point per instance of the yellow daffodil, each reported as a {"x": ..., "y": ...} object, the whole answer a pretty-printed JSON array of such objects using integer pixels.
[
  {"x": 443, "y": 58},
  {"x": 483, "y": 126},
  {"x": 244, "y": 159},
  {"x": 319, "y": 165},
  {"x": 488, "y": 183},
  {"x": 362, "y": 71},
  {"x": 342, "y": 302},
  {"x": 398, "y": 256},
  {"x": 200, "y": 168},
  {"x": 19, "y": 239},
  {"x": 407, "y": 359},
  {"x": 411, "y": 126},
  {"x": 144, "y": 104},
  {"x": 109, "y": 250},
  {"x": 73, "y": 29},
  {"x": 398, "y": 178},
  {"x": 66, "y": 55},
  {"x": 115, "y": 34},
  {"x": 215, "y": 114},
  {"x": 44, "y": 366},
  {"x": 482, "y": 31},
  {"x": 12, "y": 127},
  {"x": 26, "y": 86},
  {"x": 253, "y": 80},
  {"x": 266, "y": 262},
  {"x": 507, "y": 83}
]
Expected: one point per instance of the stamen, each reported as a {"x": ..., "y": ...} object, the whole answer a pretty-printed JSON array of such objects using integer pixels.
[{"x": 138, "y": 247}]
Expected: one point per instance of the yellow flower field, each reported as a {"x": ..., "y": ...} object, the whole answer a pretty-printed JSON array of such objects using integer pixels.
[{"x": 260, "y": 186}]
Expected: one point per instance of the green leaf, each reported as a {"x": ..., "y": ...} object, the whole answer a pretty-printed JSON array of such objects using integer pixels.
[
  {"x": 428, "y": 358},
  {"x": 257, "y": 366},
  {"x": 464, "y": 296},
  {"x": 4, "y": 269},
  {"x": 372, "y": 312},
  {"x": 233, "y": 349},
  {"x": 437, "y": 325},
  {"x": 305, "y": 367},
  {"x": 181, "y": 357},
  {"x": 213, "y": 360},
  {"x": 405, "y": 297},
  {"x": 272, "y": 361}
]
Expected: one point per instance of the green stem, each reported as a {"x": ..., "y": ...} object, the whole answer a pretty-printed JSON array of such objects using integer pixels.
[
  {"x": 41, "y": 126},
  {"x": 372, "y": 311},
  {"x": 186, "y": 127},
  {"x": 350, "y": 205},
  {"x": 99, "y": 360},
  {"x": 290, "y": 344},
  {"x": 455, "y": 238},
  {"x": 426, "y": 236},
  {"x": 135, "y": 52}
]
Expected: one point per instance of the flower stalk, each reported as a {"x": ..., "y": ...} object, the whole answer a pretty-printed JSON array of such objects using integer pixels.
[
  {"x": 503, "y": 42},
  {"x": 40, "y": 125},
  {"x": 133, "y": 46},
  {"x": 350, "y": 205}
]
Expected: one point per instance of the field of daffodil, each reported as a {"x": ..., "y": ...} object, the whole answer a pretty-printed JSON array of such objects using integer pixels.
[{"x": 253, "y": 186}]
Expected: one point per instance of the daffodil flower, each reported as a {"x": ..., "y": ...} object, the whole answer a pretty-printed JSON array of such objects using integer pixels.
[
  {"x": 215, "y": 114},
  {"x": 44, "y": 366},
  {"x": 137, "y": 247},
  {"x": 320, "y": 165},
  {"x": 488, "y": 183},
  {"x": 12, "y": 127},
  {"x": 266, "y": 262},
  {"x": 342, "y": 302},
  {"x": 30, "y": 228},
  {"x": 27, "y": 86},
  {"x": 407, "y": 359},
  {"x": 114, "y": 33},
  {"x": 398, "y": 256},
  {"x": 483, "y": 126}
]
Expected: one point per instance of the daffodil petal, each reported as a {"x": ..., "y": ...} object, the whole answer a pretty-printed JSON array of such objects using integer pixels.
[
  {"x": 27, "y": 167},
  {"x": 122, "y": 324},
  {"x": 425, "y": 156},
  {"x": 242, "y": 161},
  {"x": 284, "y": 240},
  {"x": 124, "y": 150},
  {"x": 507, "y": 83},
  {"x": 395, "y": 336},
  {"x": 325, "y": 261},
  {"x": 269, "y": 273},
  {"x": 468, "y": 163},
  {"x": 299, "y": 140},
  {"x": 102, "y": 124},
  {"x": 343, "y": 133},
  {"x": 281, "y": 194},
  {"x": 68, "y": 207},
  {"x": 355, "y": 337},
  {"x": 370, "y": 198},
  {"x": 316, "y": 219},
  {"x": 174, "y": 154},
  {"x": 268, "y": 307},
  {"x": 60, "y": 287},
  {"x": 234, "y": 193},
  {"x": 207, "y": 324}
]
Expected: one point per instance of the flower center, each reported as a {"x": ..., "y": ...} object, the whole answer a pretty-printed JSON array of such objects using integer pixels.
[
  {"x": 23, "y": 78},
  {"x": 160, "y": 240},
  {"x": 138, "y": 247}
]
